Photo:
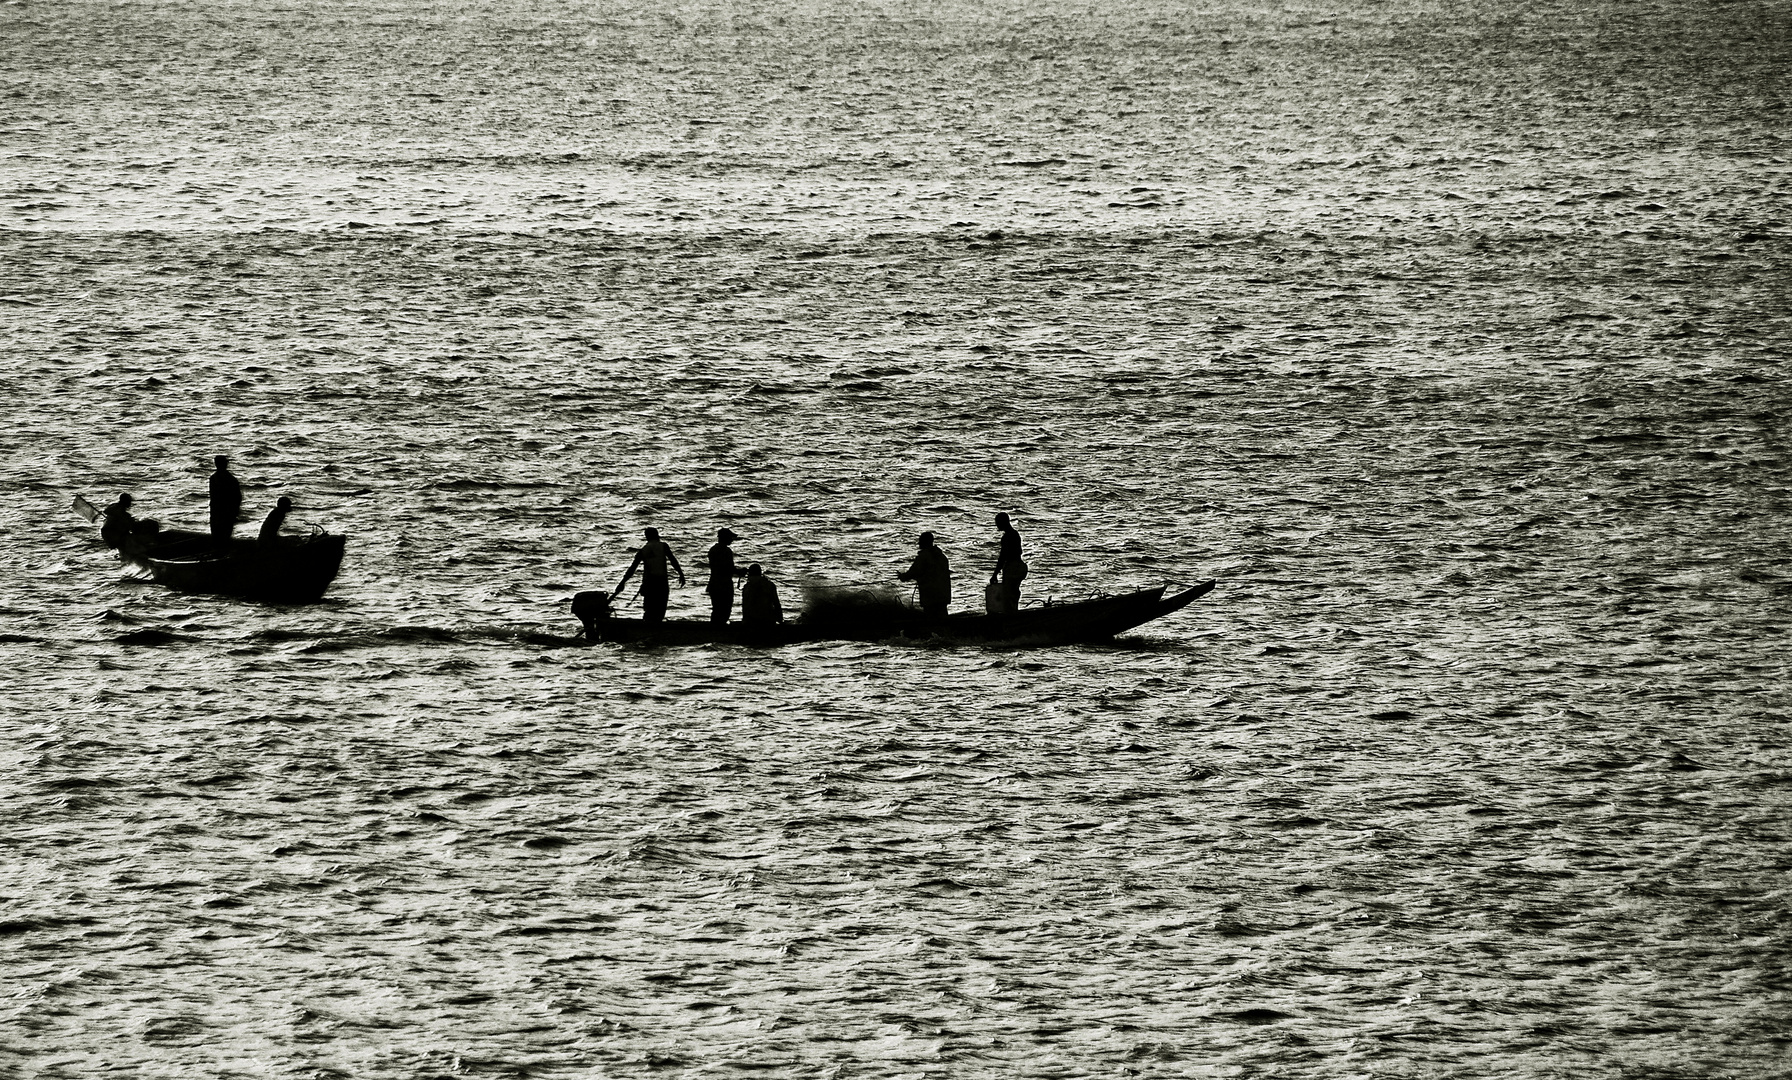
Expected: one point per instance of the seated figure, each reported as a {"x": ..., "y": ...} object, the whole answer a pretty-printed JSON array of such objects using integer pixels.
[
  {"x": 118, "y": 524},
  {"x": 759, "y": 604}
]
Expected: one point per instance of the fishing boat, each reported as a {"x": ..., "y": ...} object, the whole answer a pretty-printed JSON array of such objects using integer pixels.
[
  {"x": 296, "y": 570},
  {"x": 1048, "y": 623}
]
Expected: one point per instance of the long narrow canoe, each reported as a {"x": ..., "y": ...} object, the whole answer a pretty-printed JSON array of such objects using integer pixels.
[
  {"x": 1046, "y": 624},
  {"x": 297, "y": 570}
]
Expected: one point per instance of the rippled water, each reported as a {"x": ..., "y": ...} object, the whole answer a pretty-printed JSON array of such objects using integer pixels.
[{"x": 1450, "y": 338}]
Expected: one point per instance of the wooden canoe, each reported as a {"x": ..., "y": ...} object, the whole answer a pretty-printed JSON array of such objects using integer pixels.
[{"x": 1051, "y": 623}]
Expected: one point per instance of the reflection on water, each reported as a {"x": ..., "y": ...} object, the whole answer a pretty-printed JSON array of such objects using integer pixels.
[{"x": 1463, "y": 381}]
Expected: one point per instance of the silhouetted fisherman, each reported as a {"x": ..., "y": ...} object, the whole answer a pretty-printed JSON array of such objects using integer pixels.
[
  {"x": 270, "y": 525},
  {"x": 1010, "y": 569},
  {"x": 721, "y": 576},
  {"x": 652, "y": 560},
  {"x": 118, "y": 524},
  {"x": 227, "y": 503},
  {"x": 759, "y": 604},
  {"x": 932, "y": 575}
]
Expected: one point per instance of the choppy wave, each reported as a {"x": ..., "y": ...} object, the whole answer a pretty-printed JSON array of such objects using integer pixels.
[{"x": 1451, "y": 342}]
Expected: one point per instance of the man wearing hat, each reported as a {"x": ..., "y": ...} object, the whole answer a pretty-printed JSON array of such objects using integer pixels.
[{"x": 721, "y": 577}]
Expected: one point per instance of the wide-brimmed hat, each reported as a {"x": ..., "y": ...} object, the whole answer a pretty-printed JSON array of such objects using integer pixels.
[{"x": 726, "y": 535}]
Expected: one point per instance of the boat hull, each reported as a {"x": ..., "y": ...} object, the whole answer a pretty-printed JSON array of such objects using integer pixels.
[
  {"x": 293, "y": 570},
  {"x": 298, "y": 570},
  {"x": 1047, "y": 624}
]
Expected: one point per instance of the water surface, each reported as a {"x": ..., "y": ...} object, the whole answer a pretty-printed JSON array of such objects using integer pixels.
[{"x": 1450, "y": 340}]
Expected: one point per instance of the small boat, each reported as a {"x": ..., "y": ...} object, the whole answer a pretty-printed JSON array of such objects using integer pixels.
[
  {"x": 1050, "y": 623},
  {"x": 297, "y": 570}
]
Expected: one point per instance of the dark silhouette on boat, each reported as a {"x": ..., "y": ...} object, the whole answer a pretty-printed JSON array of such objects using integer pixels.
[
  {"x": 290, "y": 570},
  {"x": 874, "y": 618}
]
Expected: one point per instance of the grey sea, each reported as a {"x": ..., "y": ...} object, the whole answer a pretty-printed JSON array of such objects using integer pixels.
[{"x": 1450, "y": 337}]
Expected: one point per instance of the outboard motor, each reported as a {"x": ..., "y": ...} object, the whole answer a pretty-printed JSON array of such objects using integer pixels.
[{"x": 592, "y": 609}]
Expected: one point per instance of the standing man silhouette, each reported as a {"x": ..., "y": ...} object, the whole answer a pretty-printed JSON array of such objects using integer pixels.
[
  {"x": 227, "y": 503},
  {"x": 652, "y": 560},
  {"x": 721, "y": 576},
  {"x": 1010, "y": 569}
]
